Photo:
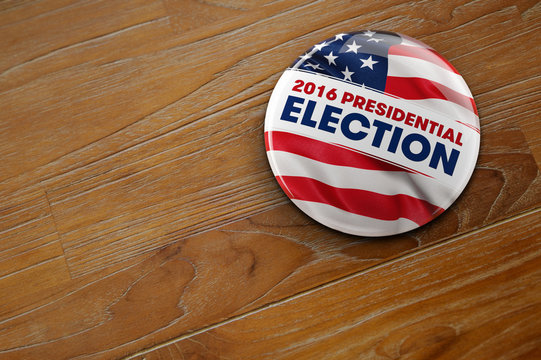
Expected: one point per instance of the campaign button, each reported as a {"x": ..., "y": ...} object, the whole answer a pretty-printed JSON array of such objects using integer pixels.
[{"x": 372, "y": 133}]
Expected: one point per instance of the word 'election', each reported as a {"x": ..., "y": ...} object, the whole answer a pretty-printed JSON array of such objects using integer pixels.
[{"x": 356, "y": 126}]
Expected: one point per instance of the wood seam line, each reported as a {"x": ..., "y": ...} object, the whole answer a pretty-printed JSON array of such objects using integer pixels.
[
  {"x": 59, "y": 237},
  {"x": 298, "y": 295}
]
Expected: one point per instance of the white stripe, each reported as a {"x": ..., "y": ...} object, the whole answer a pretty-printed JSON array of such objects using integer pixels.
[
  {"x": 406, "y": 66},
  {"x": 347, "y": 222},
  {"x": 382, "y": 182},
  {"x": 448, "y": 109}
]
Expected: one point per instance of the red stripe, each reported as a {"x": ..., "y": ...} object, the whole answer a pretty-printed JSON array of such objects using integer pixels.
[
  {"x": 362, "y": 202},
  {"x": 267, "y": 140},
  {"x": 413, "y": 88},
  {"x": 325, "y": 152},
  {"x": 284, "y": 187},
  {"x": 470, "y": 126},
  {"x": 423, "y": 54}
]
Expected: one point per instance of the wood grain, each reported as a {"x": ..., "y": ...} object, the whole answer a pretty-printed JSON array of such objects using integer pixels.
[
  {"x": 136, "y": 203},
  {"x": 137, "y": 182},
  {"x": 29, "y": 248},
  {"x": 476, "y": 297}
]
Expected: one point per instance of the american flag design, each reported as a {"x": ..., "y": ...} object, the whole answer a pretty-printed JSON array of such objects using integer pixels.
[{"x": 372, "y": 133}]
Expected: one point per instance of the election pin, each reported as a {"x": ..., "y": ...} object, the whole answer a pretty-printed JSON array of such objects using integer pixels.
[{"x": 372, "y": 133}]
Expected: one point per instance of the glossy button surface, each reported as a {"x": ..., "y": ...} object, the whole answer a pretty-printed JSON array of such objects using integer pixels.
[{"x": 372, "y": 133}]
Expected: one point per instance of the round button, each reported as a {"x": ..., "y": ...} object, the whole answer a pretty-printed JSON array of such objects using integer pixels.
[{"x": 372, "y": 133}]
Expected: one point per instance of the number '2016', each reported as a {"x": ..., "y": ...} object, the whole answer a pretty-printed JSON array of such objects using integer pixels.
[{"x": 309, "y": 88}]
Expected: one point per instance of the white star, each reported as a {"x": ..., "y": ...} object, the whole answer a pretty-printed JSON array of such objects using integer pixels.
[
  {"x": 375, "y": 39},
  {"x": 368, "y": 33},
  {"x": 306, "y": 57},
  {"x": 314, "y": 66},
  {"x": 347, "y": 74},
  {"x": 353, "y": 47},
  {"x": 330, "y": 58},
  {"x": 368, "y": 62},
  {"x": 321, "y": 46},
  {"x": 339, "y": 36}
]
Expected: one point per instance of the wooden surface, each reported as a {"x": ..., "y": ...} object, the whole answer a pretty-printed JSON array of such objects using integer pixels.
[
  {"x": 139, "y": 217},
  {"x": 416, "y": 307}
]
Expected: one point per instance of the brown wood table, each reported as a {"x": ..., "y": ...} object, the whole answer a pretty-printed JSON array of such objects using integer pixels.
[{"x": 139, "y": 217}]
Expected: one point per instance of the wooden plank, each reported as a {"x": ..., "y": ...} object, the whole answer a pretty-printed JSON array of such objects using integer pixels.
[
  {"x": 35, "y": 36},
  {"x": 114, "y": 63},
  {"x": 32, "y": 261},
  {"x": 192, "y": 14},
  {"x": 239, "y": 268},
  {"x": 28, "y": 234},
  {"x": 476, "y": 297},
  {"x": 154, "y": 299},
  {"x": 516, "y": 103},
  {"x": 22, "y": 290}
]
